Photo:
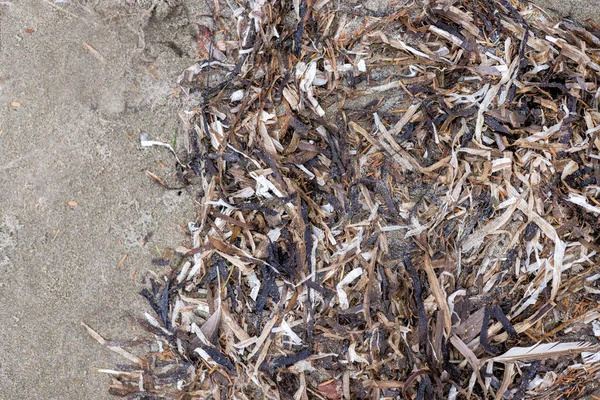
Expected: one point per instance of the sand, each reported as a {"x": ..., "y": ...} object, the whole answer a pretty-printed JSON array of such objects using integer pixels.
[
  {"x": 79, "y": 82},
  {"x": 580, "y": 10}
]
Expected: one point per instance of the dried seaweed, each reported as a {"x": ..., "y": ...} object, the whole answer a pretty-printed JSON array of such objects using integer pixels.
[{"x": 389, "y": 206}]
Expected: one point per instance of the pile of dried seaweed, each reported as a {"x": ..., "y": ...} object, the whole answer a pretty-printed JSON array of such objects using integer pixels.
[{"x": 391, "y": 206}]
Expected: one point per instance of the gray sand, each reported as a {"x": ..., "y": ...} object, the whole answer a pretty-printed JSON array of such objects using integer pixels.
[
  {"x": 577, "y": 9},
  {"x": 74, "y": 136}
]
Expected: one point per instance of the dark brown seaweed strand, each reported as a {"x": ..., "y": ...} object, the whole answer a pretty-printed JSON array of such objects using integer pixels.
[
  {"x": 209, "y": 92},
  {"x": 483, "y": 336},
  {"x": 292, "y": 358},
  {"x": 342, "y": 139},
  {"x": 308, "y": 242},
  {"x": 448, "y": 366},
  {"x": 159, "y": 301},
  {"x": 497, "y": 126},
  {"x": 412, "y": 377},
  {"x": 526, "y": 379},
  {"x": 148, "y": 296},
  {"x": 219, "y": 357},
  {"x": 506, "y": 324},
  {"x": 164, "y": 307},
  {"x": 272, "y": 163},
  {"x": 417, "y": 293},
  {"x": 195, "y": 147},
  {"x": 515, "y": 14},
  {"x": 511, "y": 256},
  {"x": 297, "y": 41},
  {"x": 530, "y": 231},
  {"x": 335, "y": 153},
  {"x": 268, "y": 288}
]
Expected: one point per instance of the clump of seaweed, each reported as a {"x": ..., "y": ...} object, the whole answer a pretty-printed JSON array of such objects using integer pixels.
[{"x": 389, "y": 206}]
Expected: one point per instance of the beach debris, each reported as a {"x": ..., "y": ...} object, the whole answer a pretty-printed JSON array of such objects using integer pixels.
[{"x": 390, "y": 205}]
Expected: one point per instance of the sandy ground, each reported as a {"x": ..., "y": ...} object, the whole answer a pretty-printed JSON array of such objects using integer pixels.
[
  {"x": 577, "y": 9},
  {"x": 79, "y": 82}
]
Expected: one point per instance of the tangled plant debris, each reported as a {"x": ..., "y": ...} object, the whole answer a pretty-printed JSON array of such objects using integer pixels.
[{"x": 390, "y": 206}]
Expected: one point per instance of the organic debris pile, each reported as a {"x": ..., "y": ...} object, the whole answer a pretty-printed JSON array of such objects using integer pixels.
[{"x": 390, "y": 206}]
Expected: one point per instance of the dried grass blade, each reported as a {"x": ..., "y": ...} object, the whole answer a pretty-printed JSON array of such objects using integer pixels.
[
  {"x": 469, "y": 356},
  {"x": 116, "y": 349},
  {"x": 439, "y": 294},
  {"x": 545, "y": 350}
]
